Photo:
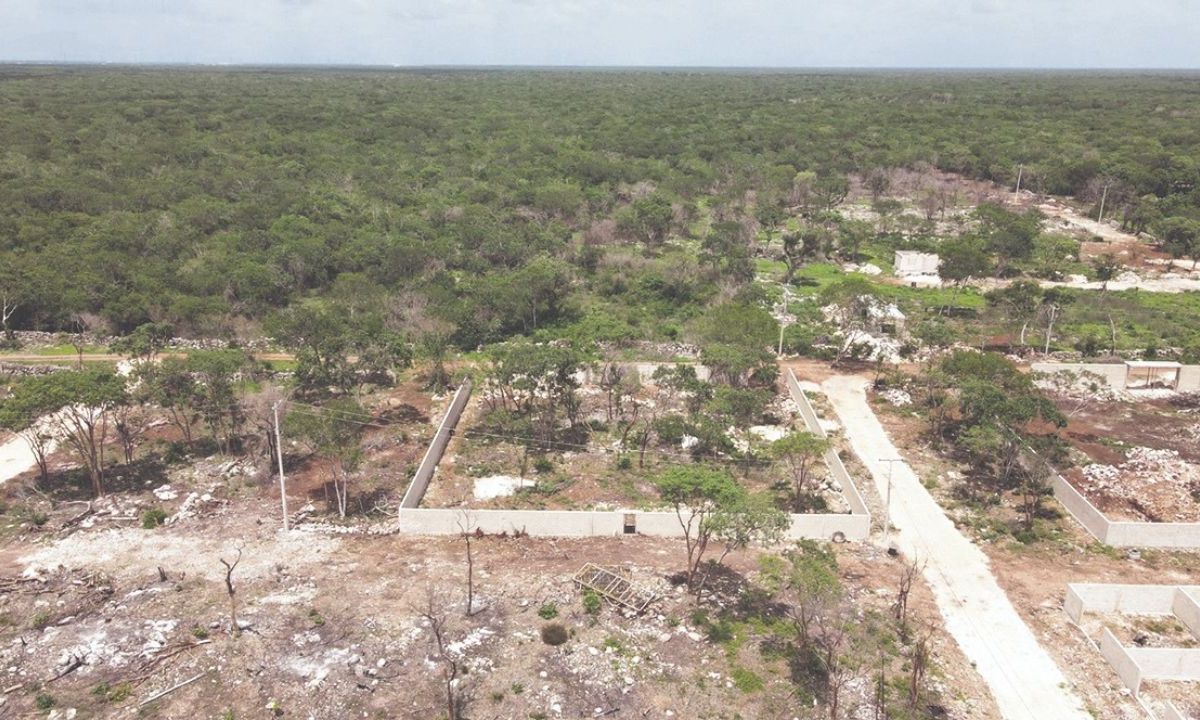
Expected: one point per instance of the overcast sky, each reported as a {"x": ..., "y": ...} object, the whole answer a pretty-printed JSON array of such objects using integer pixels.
[{"x": 783, "y": 33}]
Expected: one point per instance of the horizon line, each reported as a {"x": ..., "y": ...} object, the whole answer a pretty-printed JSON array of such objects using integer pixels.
[{"x": 566, "y": 67}]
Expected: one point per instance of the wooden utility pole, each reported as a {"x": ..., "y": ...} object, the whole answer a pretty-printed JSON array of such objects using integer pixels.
[
  {"x": 1020, "y": 171},
  {"x": 279, "y": 457},
  {"x": 1103, "y": 197}
]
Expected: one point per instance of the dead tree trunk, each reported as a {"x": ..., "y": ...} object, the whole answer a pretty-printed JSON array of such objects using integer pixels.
[{"x": 235, "y": 629}]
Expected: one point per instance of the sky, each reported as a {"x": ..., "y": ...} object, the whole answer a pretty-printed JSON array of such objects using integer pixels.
[{"x": 738, "y": 33}]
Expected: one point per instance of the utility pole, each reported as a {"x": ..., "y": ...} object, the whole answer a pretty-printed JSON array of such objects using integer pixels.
[
  {"x": 1103, "y": 197},
  {"x": 887, "y": 506},
  {"x": 1020, "y": 171},
  {"x": 279, "y": 456}
]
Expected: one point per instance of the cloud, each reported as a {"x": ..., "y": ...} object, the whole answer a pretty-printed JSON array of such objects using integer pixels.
[{"x": 1062, "y": 33}]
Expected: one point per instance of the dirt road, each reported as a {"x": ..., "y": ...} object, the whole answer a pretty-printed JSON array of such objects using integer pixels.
[
  {"x": 1025, "y": 681},
  {"x": 15, "y": 458}
]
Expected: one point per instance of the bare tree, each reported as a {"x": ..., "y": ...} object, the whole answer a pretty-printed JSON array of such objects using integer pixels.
[
  {"x": 456, "y": 695},
  {"x": 908, "y": 577},
  {"x": 235, "y": 628},
  {"x": 466, "y": 530}
]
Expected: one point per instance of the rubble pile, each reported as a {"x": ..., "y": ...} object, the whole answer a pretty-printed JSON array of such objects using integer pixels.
[{"x": 1156, "y": 485}]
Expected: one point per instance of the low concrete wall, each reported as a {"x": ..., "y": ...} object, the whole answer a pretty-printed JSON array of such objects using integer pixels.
[
  {"x": 1123, "y": 533},
  {"x": 1115, "y": 373},
  {"x": 587, "y": 523},
  {"x": 1170, "y": 712},
  {"x": 1087, "y": 514},
  {"x": 854, "y": 498},
  {"x": 1127, "y": 599},
  {"x": 1166, "y": 663},
  {"x": 433, "y": 454},
  {"x": 1125, "y": 666},
  {"x": 1153, "y": 535},
  {"x": 1187, "y": 609}
]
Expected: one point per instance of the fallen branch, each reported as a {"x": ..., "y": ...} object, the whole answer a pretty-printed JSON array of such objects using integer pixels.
[
  {"x": 75, "y": 664},
  {"x": 183, "y": 648},
  {"x": 171, "y": 689}
]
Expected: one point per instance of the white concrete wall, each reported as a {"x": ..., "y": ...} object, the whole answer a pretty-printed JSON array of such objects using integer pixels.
[
  {"x": 1087, "y": 514},
  {"x": 1104, "y": 598},
  {"x": 854, "y": 498},
  {"x": 1187, "y": 609},
  {"x": 910, "y": 262},
  {"x": 1180, "y": 664},
  {"x": 1171, "y": 712},
  {"x": 1125, "y": 666},
  {"x": 1153, "y": 535},
  {"x": 437, "y": 446},
  {"x": 1115, "y": 373},
  {"x": 1121, "y": 533},
  {"x": 584, "y": 523}
]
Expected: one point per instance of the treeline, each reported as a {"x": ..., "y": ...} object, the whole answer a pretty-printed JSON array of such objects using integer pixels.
[{"x": 501, "y": 203}]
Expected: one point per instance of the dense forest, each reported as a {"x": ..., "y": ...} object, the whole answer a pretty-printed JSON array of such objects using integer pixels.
[{"x": 474, "y": 205}]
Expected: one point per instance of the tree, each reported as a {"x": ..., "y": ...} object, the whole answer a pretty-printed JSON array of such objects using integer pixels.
[
  {"x": 146, "y": 341},
  {"x": 171, "y": 386},
  {"x": 334, "y": 432},
  {"x": 75, "y": 406},
  {"x": 963, "y": 258},
  {"x": 1180, "y": 237},
  {"x": 26, "y": 413},
  {"x": 1019, "y": 301},
  {"x": 536, "y": 383},
  {"x": 647, "y": 219},
  {"x": 736, "y": 341},
  {"x": 697, "y": 494},
  {"x": 800, "y": 452},
  {"x": 15, "y": 290},
  {"x": 1008, "y": 235},
  {"x": 1106, "y": 267}
]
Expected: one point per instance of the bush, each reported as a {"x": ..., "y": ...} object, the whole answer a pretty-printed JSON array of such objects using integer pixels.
[
  {"x": 44, "y": 701},
  {"x": 592, "y": 603},
  {"x": 554, "y": 634},
  {"x": 542, "y": 465},
  {"x": 153, "y": 517},
  {"x": 549, "y": 611},
  {"x": 746, "y": 680},
  {"x": 624, "y": 462},
  {"x": 40, "y": 620}
]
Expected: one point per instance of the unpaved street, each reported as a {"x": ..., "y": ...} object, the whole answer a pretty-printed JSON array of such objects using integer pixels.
[
  {"x": 15, "y": 458},
  {"x": 1025, "y": 681}
]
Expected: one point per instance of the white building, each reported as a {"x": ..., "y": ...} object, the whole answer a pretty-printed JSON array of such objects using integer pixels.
[{"x": 910, "y": 262}]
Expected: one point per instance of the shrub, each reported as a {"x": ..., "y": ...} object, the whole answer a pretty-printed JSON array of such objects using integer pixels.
[
  {"x": 44, "y": 701},
  {"x": 745, "y": 680},
  {"x": 315, "y": 617},
  {"x": 153, "y": 517},
  {"x": 592, "y": 603},
  {"x": 40, "y": 620},
  {"x": 542, "y": 465},
  {"x": 38, "y": 518},
  {"x": 549, "y": 611},
  {"x": 199, "y": 633},
  {"x": 624, "y": 462},
  {"x": 554, "y": 634}
]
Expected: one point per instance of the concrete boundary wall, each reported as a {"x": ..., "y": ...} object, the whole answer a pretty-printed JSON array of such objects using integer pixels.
[
  {"x": 854, "y": 498},
  {"x": 1126, "y": 599},
  {"x": 588, "y": 523},
  {"x": 1170, "y": 712},
  {"x": 1121, "y": 533},
  {"x": 1115, "y": 373},
  {"x": 602, "y": 523},
  {"x": 1135, "y": 664},
  {"x": 1125, "y": 666},
  {"x": 437, "y": 446},
  {"x": 1187, "y": 609}
]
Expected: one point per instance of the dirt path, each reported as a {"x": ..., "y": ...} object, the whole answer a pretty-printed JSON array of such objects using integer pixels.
[
  {"x": 116, "y": 357},
  {"x": 1025, "y": 681}
]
